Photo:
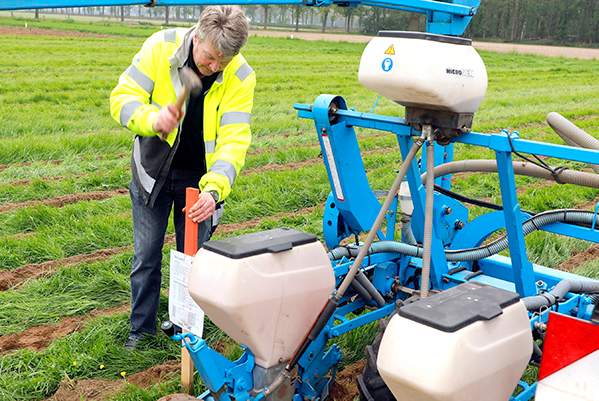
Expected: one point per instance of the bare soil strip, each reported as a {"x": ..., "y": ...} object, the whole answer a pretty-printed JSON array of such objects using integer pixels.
[
  {"x": 39, "y": 337},
  {"x": 18, "y": 30},
  {"x": 60, "y": 201},
  {"x": 345, "y": 387},
  {"x": 16, "y": 277},
  {"x": 10, "y": 279},
  {"x": 591, "y": 253},
  {"x": 98, "y": 390},
  {"x": 24, "y": 164}
]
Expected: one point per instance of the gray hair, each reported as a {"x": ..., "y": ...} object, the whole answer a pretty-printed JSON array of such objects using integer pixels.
[{"x": 225, "y": 27}]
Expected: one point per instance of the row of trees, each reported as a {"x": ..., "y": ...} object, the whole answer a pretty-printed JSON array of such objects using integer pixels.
[{"x": 551, "y": 21}]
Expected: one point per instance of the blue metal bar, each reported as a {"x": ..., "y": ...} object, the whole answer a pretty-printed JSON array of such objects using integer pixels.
[
  {"x": 33, "y": 4},
  {"x": 522, "y": 268},
  {"x": 500, "y": 267},
  {"x": 443, "y": 17},
  {"x": 361, "y": 320},
  {"x": 500, "y": 143},
  {"x": 569, "y": 230},
  {"x": 495, "y": 142},
  {"x": 528, "y": 392}
]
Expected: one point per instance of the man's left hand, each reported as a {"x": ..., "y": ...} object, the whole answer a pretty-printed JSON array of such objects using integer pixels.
[{"x": 203, "y": 208}]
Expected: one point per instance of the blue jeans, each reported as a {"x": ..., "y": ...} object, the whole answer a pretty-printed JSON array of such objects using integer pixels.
[{"x": 149, "y": 229}]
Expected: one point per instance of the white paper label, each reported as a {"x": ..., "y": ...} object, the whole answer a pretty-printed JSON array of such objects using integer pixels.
[
  {"x": 182, "y": 309},
  {"x": 332, "y": 167}
]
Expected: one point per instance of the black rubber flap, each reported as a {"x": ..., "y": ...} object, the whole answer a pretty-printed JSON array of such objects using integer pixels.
[
  {"x": 456, "y": 40},
  {"x": 460, "y": 306},
  {"x": 271, "y": 241}
]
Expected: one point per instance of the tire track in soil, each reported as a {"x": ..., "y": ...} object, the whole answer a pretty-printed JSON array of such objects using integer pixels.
[
  {"x": 10, "y": 279},
  {"x": 99, "y": 390},
  {"x": 39, "y": 337}
]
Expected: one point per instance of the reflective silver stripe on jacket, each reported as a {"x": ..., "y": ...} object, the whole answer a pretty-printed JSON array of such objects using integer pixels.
[
  {"x": 127, "y": 111},
  {"x": 244, "y": 71},
  {"x": 170, "y": 35},
  {"x": 210, "y": 146},
  {"x": 146, "y": 181},
  {"x": 156, "y": 104},
  {"x": 226, "y": 169},
  {"x": 140, "y": 78},
  {"x": 217, "y": 215},
  {"x": 235, "y": 117}
]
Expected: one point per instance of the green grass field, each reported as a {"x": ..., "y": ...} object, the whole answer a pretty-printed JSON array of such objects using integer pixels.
[{"x": 58, "y": 140}]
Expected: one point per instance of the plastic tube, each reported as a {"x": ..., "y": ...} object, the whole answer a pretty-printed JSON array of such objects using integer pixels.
[
  {"x": 370, "y": 288},
  {"x": 559, "y": 292},
  {"x": 572, "y": 135},
  {"x": 361, "y": 290},
  {"x": 520, "y": 167},
  {"x": 535, "y": 223},
  {"x": 407, "y": 235}
]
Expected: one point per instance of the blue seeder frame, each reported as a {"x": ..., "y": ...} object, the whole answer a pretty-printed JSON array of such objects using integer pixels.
[{"x": 351, "y": 209}]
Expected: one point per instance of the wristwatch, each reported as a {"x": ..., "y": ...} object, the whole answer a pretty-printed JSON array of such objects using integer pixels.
[{"x": 215, "y": 196}]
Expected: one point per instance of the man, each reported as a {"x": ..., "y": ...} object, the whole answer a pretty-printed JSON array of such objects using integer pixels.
[{"x": 203, "y": 145}]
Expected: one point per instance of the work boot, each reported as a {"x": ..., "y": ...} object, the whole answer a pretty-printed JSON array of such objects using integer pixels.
[{"x": 133, "y": 340}]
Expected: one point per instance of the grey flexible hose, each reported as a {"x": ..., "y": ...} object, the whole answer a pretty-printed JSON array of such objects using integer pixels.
[
  {"x": 572, "y": 135},
  {"x": 493, "y": 248},
  {"x": 369, "y": 288},
  {"x": 558, "y": 292},
  {"x": 361, "y": 290},
  {"x": 407, "y": 235},
  {"x": 520, "y": 168}
]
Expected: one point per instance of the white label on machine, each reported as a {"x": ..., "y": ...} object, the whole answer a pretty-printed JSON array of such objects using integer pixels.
[
  {"x": 182, "y": 309},
  {"x": 332, "y": 167}
]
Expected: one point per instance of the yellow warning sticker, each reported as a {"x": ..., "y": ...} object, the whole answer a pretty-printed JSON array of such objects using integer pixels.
[{"x": 390, "y": 51}]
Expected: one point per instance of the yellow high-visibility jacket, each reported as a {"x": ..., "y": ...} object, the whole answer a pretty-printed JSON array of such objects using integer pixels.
[{"x": 152, "y": 81}]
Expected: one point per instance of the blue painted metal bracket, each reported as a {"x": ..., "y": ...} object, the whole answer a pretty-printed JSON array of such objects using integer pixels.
[
  {"x": 527, "y": 393},
  {"x": 353, "y": 197},
  {"x": 450, "y": 17},
  {"x": 219, "y": 374}
]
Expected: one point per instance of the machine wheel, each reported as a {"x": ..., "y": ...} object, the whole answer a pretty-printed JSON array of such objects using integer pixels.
[{"x": 370, "y": 383}]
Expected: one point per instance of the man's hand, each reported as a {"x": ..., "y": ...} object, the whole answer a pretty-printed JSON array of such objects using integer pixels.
[
  {"x": 203, "y": 208},
  {"x": 168, "y": 119}
]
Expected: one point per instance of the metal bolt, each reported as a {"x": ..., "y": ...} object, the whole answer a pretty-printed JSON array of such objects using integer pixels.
[
  {"x": 458, "y": 225},
  {"x": 447, "y": 210}
]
